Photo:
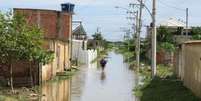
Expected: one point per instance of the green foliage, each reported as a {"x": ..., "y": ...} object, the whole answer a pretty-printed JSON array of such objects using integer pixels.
[
  {"x": 196, "y": 33},
  {"x": 167, "y": 90},
  {"x": 19, "y": 41},
  {"x": 127, "y": 49},
  {"x": 164, "y": 35},
  {"x": 2, "y": 98},
  {"x": 164, "y": 87},
  {"x": 145, "y": 47},
  {"x": 165, "y": 39},
  {"x": 97, "y": 36},
  {"x": 168, "y": 47},
  {"x": 103, "y": 46}
]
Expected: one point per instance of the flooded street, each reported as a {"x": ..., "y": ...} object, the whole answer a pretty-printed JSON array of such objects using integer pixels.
[
  {"x": 56, "y": 91},
  {"x": 91, "y": 84},
  {"x": 114, "y": 84}
]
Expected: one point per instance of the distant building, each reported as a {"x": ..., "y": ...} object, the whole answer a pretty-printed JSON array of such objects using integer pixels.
[
  {"x": 79, "y": 49},
  {"x": 173, "y": 25},
  {"x": 81, "y": 52},
  {"x": 178, "y": 29},
  {"x": 79, "y": 32}
]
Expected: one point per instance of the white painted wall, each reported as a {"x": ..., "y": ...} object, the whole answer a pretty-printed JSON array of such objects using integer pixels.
[{"x": 82, "y": 54}]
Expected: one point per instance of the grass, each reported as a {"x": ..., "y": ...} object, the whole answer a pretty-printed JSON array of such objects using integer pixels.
[
  {"x": 22, "y": 96},
  {"x": 7, "y": 98},
  {"x": 164, "y": 87},
  {"x": 167, "y": 90},
  {"x": 2, "y": 98}
]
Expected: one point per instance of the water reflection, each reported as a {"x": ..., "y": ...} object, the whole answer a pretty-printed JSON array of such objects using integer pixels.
[
  {"x": 114, "y": 84},
  {"x": 56, "y": 91},
  {"x": 103, "y": 76}
]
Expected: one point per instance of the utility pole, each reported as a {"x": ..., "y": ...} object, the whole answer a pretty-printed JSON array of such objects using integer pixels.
[
  {"x": 138, "y": 31},
  {"x": 186, "y": 21},
  {"x": 153, "y": 61},
  {"x": 137, "y": 42},
  {"x": 138, "y": 35}
]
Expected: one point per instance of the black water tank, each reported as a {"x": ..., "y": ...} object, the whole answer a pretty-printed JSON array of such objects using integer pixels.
[{"x": 68, "y": 7}]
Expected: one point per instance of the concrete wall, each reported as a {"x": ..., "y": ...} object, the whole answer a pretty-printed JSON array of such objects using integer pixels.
[
  {"x": 92, "y": 54},
  {"x": 165, "y": 58},
  {"x": 192, "y": 67},
  {"x": 60, "y": 62},
  {"x": 81, "y": 53},
  {"x": 188, "y": 66}
]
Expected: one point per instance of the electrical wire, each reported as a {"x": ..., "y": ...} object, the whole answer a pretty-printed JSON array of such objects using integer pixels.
[{"x": 170, "y": 6}]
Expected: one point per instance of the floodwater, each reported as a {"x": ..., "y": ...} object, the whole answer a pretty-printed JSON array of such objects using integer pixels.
[{"x": 91, "y": 84}]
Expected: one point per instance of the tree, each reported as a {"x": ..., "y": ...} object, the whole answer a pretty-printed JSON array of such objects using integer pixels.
[
  {"x": 102, "y": 46},
  {"x": 20, "y": 41},
  {"x": 165, "y": 39},
  {"x": 196, "y": 33},
  {"x": 127, "y": 49},
  {"x": 97, "y": 36}
]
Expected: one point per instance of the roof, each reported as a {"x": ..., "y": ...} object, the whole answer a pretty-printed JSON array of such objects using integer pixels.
[
  {"x": 45, "y": 10},
  {"x": 75, "y": 25},
  {"x": 79, "y": 30},
  {"x": 36, "y": 9},
  {"x": 173, "y": 22}
]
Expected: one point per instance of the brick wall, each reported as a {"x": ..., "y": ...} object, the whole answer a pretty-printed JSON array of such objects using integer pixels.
[
  {"x": 54, "y": 24},
  {"x": 22, "y": 72}
]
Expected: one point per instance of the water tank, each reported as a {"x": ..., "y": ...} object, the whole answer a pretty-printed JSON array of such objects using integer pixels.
[{"x": 68, "y": 7}]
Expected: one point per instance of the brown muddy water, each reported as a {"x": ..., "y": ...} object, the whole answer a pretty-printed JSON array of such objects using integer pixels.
[
  {"x": 114, "y": 84},
  {"x": 91, "y": 84}
]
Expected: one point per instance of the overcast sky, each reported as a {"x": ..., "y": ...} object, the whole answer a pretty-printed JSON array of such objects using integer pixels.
[{"x": 103, "y": 14}]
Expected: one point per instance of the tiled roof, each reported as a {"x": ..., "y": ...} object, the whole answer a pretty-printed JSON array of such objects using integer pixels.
[{"x": 79, "y": 30}]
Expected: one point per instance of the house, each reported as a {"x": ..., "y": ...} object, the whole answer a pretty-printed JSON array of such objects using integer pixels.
[
  {"x": 79, "y": 49},
  {"x": 79, "y": 32},
  {"x": 57, "y": 29},
  {"x": 176, "y": 27},
  {"x": 188, "y": 65}
]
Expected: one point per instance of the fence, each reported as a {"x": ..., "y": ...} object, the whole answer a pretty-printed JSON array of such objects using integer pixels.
[
  {"x": 80, "y": 52},
  {"x": 188, "y": 65}
]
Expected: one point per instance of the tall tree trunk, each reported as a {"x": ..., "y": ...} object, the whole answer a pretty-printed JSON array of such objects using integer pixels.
[{"x": 11, "y": 76}]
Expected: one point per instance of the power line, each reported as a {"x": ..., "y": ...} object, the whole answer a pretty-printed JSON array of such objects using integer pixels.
[
  {"x": 177, "y": 1},
  {"x": 170, "y": 6}
]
